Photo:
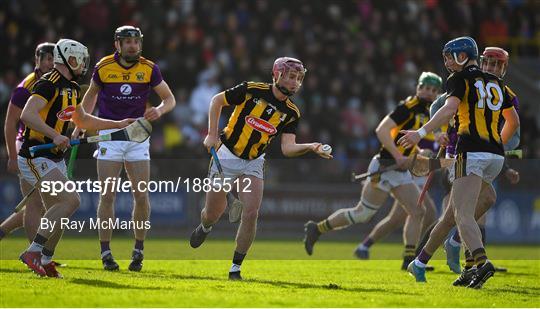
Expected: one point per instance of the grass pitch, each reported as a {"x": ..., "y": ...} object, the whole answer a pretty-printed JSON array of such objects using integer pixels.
[{"x": 276, "y": 273}]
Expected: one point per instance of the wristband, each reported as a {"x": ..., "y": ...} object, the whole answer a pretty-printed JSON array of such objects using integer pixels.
[{"x": 422, "y": 132}]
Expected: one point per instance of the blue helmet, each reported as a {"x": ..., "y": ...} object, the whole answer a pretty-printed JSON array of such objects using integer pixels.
[{"x": 463, "y": 44}]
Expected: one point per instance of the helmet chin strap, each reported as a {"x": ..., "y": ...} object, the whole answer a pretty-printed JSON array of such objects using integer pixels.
[
  {"x": 284, "y": 90},
  {"x": 460, "y": 63},
  {"x": 73, "y": 75}
]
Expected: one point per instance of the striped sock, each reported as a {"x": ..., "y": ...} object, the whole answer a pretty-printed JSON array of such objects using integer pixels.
[
  {"x": 469, "y": 260},
  {"x": 479, "y": 256},
  {"x": 410, "y": 250},
  {"x": 324, "y": 226}
]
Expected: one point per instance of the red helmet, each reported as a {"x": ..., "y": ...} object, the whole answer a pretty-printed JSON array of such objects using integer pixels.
[
  {"x": 283, "y": 65},
  {"x": 498, "y": 55}
]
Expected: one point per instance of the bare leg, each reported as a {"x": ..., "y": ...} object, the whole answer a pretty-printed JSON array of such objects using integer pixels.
[
  {"x": 372, "y": 198},
  {"x": 252, "y": 203},
  {"x": 395, "y": 219},
  {"x": 105, "y": 211},
  {"x": 407, "y": 195},
  {"x": 33, "y": 211},
  {"x": 139, "y": 171}
]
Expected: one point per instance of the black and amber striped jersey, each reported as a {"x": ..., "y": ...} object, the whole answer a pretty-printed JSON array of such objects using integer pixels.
[
  {"x": 478, "y": 119},
  {"x": 410, "y": 114},
  {"x": 62, "y": 96},
  {"x": 257, "y": 118}
]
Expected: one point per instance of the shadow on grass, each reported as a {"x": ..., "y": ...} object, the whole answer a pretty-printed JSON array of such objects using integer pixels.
[
  {"x": 533, "y": 291},
  {"x": 14, "y": 271},
  {"x": 296, "y": 285},
  {"x": 107, "y": 284},
  {"x": 276, "y": 283}
]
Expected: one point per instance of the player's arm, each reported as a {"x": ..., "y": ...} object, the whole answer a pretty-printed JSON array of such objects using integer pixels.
[
  {"x": 511, "y": 124},
  {"x": 90, "y": 97},
  {"x": 168, "y": 102},
  {"x": 441, "y": 117},
  {"x": 214, "y": 112},
  {"x": 30, "y": 117},
  {"x": 290, "y": 148},
  {"x": 84, "y": 120},
  {"x": 385, "y": 137},
  {"x": 10, "y": 134}
]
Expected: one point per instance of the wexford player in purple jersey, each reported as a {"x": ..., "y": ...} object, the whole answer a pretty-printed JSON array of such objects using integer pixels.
[
  {"x": 121, "y": 85},
  {"x": 29, "y": 217}
]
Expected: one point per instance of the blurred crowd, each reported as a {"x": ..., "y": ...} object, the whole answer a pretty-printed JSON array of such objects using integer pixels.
[{"x": 362, "y": 56}]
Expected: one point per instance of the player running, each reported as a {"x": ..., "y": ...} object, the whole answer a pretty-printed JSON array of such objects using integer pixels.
[
  {"x": 122, "y": 82},
  {"x": 397, "y": 216},
  {"x": 53, "y": 103},
  {"x": 476, "y": 100},
  {"x": 494, "y": 60},
  {"x": 29, "y": 217},
  {"x": 262, "y": 111},
  {"x": 409, "y": 114}
]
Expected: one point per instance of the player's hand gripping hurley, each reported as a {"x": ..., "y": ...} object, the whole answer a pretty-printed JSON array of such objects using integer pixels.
[{"x": 138, "y": 131}]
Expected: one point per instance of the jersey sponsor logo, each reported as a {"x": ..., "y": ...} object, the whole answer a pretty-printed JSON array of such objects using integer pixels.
[
  {"x": 125, "y": 89},
  {"x": 260, "y": 125},
  {"x": 65, "y": 115}
]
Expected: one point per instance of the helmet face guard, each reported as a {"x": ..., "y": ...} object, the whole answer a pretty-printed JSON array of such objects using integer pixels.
[
  {"x": 494, "y": 60},
  {"x": 126, "y": 32},
  {"x": 288, "y": 73}
]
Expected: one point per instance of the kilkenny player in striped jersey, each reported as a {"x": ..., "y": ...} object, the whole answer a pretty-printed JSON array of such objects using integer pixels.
[
  {"x": 427, "y": 82},
  {"x": 29, "y": 217},
  {"x": 477, "y": 101},
  {"x": 409, "y": 114},
  {"x": 54, "y": 102},
  {"x": 261, "y": 112},
  {"x": 494, "y": 60}
]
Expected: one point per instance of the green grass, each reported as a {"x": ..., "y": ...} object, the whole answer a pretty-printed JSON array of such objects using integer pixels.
[{"x": 276, "y": 273}]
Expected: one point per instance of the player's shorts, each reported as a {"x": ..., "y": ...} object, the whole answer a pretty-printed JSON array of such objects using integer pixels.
[
  {"x": 120, "y": 151},
  {"x": 484, "y": 164},
  {"x": 390, "y": 179},
  {"x": 234, "y": 167},
  {"x": 34, "y": 169}
]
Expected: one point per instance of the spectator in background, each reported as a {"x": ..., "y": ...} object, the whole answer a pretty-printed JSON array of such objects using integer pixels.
[{"x": 202, "y": 95}]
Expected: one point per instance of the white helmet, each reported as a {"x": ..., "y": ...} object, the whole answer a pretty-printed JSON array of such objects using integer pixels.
[{"x": 66, "y": 48}]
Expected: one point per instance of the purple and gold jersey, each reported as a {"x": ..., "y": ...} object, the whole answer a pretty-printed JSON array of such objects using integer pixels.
[
  {"x": 124, "y": 90},
  {"x": 20, "y": 95}
]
